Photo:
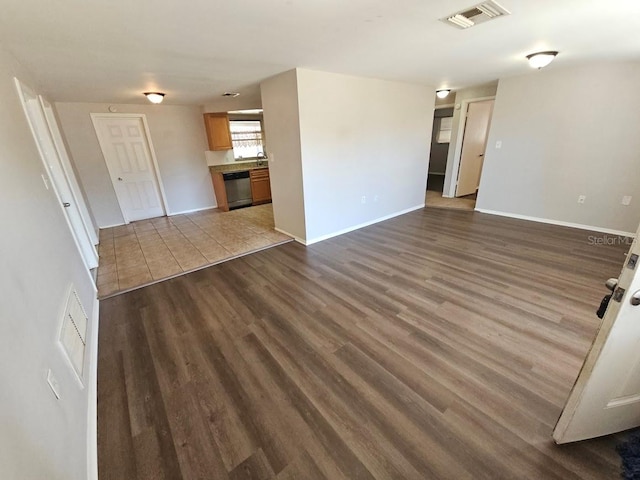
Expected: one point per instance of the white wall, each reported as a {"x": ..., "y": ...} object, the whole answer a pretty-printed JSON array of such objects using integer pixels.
[
  {"x": 361, "y": 137},
  {"x": 179, "y": 140},
  {"x": 40, "y": 437},
  {"x": 565, "y": 133},
  {"x": 455, "y": 146},
  {"x": 282, "y": 128}
]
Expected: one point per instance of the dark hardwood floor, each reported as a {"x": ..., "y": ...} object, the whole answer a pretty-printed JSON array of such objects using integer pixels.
[{"x": 438, "y": 345}]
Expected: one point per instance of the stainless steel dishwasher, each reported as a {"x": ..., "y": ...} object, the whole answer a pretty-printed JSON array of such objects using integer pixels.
[{"x": 238, "y": 187}]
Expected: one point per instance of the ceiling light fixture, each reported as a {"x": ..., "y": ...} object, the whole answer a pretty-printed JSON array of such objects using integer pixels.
[
  {"x": 442, "y": 93},
  {"x": 541, "y": 59},
  {"x": 154, "y": 97}
]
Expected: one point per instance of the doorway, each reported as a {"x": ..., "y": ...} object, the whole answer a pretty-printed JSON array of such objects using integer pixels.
[
  {"x": 474, "y": 144},
  {"x": 458, "y": 144},
  {"x": 440, "y": 140},
  {"x": 58, "y": 175},
  {"x": 126, "y": 146}
]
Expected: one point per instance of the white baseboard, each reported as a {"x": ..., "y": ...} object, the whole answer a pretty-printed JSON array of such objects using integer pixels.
[
  {"x": 171, "y": 214},
  {"x": 362, "y": 225},
  {"x": 193, "y": 210},
  {"x": 102, "y": 227},
  {"x": 297, "y": 239},
  {"x": 557, "y": 222},
  {"x": 92, "y": 393}
]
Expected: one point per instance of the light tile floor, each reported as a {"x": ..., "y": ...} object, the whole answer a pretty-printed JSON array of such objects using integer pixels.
[
  {"x": 435, "y": 199},
  {"x": 147, "y": 251}
]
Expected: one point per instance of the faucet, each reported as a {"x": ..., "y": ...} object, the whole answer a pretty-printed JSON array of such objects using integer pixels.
[{"x": 260, "y": 158}]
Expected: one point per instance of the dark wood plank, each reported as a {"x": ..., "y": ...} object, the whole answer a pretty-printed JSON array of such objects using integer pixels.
[
  {"x": 256, "y": 467},
  {"x": 439, "y": 344}
]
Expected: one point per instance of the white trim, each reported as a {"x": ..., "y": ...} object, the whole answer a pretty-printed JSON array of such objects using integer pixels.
[
  {"x": 111, "y": 226},
  {"x": 92, "y": 393},
  {"x": 365, "y": 224},
  {"x": 193, "y": 210},
  {"x": 457, "y": 151},
  {"x": 557, "y": 222},
  {"x": 448, "y": 105},
  {"x": 297, "y": 239},
  {"x": 155, "y": 162},
  {"x": 65, "y": 162},
  {"x": 23, "y": 90},
  {"x": 152, "y": 152}
]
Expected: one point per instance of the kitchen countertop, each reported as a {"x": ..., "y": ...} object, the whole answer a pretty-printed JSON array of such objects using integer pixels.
[{"x": 234, "y": 167}]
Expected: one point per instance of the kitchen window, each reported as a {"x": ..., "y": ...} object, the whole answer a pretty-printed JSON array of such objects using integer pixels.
[{"x": 247, "y": 138}]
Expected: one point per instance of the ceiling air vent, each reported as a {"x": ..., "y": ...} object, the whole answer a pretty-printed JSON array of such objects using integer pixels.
[{"x": 476, "y": 15}]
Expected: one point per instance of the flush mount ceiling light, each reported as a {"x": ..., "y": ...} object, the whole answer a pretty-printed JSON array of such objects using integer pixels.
[
  {"x": 154, "y": 97},
  {"x": 541, "y": 59},
  {"x": 442, "y": 93}
]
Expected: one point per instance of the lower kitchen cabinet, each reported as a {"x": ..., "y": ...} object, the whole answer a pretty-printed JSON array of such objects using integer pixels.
[{"x": 260, "y": 186}]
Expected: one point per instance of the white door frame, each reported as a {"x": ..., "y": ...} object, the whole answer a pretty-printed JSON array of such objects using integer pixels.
[
  {"x": 76, "y": 193},
  {"x": 82, "y": 239},
  {"x": 154, "y": 160},
  {"x": 451, "y": 174}
]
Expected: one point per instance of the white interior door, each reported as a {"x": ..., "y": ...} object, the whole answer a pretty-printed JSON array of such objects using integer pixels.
[
  {"x": 56, "y": 174},
  {"x": 606, "y": 396},
  {"x": 128, "y": 154},
  {"x": 474, "y": 144},
  {"x": 52, "y": 123}
]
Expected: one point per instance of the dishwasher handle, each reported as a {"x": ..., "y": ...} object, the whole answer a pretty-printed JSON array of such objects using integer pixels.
[{"x": 235, "y": 175}]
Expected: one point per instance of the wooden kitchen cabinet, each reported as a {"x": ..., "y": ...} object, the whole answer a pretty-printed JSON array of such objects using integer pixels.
[
  {"x": 218, "y": 132},
  {"x": 220, "y": 191},
  {"x": 260, "y": 186}
]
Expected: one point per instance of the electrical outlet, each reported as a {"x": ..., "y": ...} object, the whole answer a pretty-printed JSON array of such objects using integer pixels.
[
  {"x": 499, "y": 144},
  {"x": 363, "y": 199},
  {"x": 53, "y": 383},
  {"x": 582, "y": 198},
  {"x": 626, "y": 200}
]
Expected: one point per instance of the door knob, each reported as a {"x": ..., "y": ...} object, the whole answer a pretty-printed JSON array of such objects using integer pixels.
[
  {"x": 66, "y": 204},
  {"x": 635, "y": 299}
]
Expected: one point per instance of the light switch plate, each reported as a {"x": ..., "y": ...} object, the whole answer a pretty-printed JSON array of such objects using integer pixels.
[
  {"x": 626, "y": 200},
  {"x": 499, "y": 144}
]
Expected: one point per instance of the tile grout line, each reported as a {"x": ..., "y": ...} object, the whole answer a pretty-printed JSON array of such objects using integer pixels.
[
  {"x": 169, "y": 248},
  {"x": 207, "y": 234},
  {"x": 146, "y": 263}
]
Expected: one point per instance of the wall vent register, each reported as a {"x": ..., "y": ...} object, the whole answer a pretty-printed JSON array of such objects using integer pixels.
[
  {"x": 73, "y": 335},
  {"x": 481, "y": 13}
]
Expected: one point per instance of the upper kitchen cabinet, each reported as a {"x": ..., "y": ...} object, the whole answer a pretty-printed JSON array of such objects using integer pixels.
[{"x": 218, "y": 133}]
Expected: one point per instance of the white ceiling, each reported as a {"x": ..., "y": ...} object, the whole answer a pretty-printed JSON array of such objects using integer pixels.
[{"x": 194, "y": 50}]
